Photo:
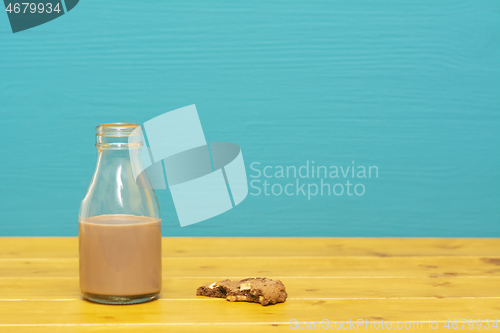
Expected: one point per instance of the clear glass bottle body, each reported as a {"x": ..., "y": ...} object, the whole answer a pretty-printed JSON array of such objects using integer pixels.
[{"x": 119, "y": 224}]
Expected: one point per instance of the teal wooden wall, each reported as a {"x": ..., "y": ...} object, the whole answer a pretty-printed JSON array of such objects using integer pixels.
[{"x": 412, "y": 87}]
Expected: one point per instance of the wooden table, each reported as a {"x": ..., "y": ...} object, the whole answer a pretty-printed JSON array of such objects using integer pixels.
[{"x": 338, "y": 279}]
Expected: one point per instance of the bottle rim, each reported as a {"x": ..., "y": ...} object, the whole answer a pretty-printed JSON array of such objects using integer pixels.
[
  {"x": 116, "y": 129},
  {"x": 118, "y": 136}
]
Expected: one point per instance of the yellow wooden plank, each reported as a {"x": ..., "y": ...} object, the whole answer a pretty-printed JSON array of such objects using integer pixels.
[
  {"x": 38, "y": 247},
  {"x": 278, "y": 267},
  {"x": 185, "y": 288},
  {"x": 67, "y": 247},
  {"x": 292, "y": 247},
  {"x": 180, "y": 311},
  {"x": 225, "y": 328}
]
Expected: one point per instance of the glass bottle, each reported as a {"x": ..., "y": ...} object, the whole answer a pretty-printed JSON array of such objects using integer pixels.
[{"x": 120, "y": 224}]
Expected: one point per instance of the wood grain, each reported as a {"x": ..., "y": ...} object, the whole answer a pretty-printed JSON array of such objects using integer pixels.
[
  {"x": 218, "y": 312},
  {"x": 32, "y": 289},
  {"x": 67, "y": 247},
  {"x": 279, "y": 267}
]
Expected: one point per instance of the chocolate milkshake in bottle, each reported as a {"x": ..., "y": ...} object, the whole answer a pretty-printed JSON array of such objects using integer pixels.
[{"x": 120, "y": 224}]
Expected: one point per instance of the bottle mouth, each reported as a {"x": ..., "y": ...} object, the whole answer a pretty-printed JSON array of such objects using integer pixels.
[
  {"x": 118, "y": 136},
  {"x": 116, "y": 129}
]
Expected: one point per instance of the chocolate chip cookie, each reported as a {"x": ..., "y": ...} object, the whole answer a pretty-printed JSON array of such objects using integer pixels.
[{"x": 258, "y": 290}]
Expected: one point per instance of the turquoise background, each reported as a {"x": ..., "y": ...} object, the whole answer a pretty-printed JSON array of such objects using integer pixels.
[{"x": 412, "y": 87}]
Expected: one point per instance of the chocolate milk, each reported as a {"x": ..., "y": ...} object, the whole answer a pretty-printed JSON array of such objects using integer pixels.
[{"x": 120, "y": 255}]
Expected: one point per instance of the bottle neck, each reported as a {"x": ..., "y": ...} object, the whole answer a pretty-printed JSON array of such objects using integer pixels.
[
  {"x": 118, "y": 151},
  {"x": 115, "y": 188}
]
